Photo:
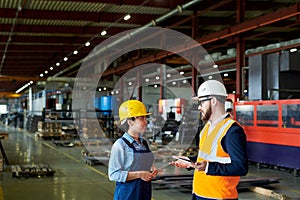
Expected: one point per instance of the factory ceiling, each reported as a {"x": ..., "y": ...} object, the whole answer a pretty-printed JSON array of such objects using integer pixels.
[{"x": 37, "y": 34}]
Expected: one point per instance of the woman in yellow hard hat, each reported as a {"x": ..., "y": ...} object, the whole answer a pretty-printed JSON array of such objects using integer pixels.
[{"x": 131, "y": 161}]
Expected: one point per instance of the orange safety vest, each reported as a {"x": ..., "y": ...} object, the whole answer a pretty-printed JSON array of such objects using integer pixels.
[{"x": 210, "y": 149}]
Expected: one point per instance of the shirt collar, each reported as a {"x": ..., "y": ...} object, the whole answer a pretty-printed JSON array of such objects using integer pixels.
[
  {"x": 217, "y": 120},
  {"x": 130, "y": 138}
]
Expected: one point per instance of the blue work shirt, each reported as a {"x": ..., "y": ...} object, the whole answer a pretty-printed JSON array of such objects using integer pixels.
[{"x": 121, "y": 158}]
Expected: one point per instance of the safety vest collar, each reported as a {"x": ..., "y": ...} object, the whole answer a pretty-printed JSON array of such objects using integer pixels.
[{"x": 209, "y": 144}]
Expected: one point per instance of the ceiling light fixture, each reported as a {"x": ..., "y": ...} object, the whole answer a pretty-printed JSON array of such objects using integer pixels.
[
  {"x": 65, "y": 58},
  {"x": 23, "y": 87},
  {"x": 127, "y": 17},
  {"x": 75, "y": 52},
  {"x": 57, "y": 64}
]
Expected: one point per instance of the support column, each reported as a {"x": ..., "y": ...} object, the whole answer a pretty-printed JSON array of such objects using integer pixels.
[
  {"x": 240, "y": 51},
  {"x": 139, "y": 83},
  {"x": 30, "y": 104},
  {"x": 163, "y": 75},
  {"x": 195, "y": 34},
  {"x": 195, "y": 80},
  {"x": 240, "y": 64},
  {"x": 195, "y": 26}
]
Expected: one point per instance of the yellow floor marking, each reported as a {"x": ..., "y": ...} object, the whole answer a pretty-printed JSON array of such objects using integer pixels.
[
  {"x": 1, "y": 194},
  {"x": 97, "y": 171},
  {"x": 71, "y": 157}
]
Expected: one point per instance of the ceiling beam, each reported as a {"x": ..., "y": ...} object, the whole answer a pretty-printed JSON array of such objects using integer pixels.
[
  {"x": 89, "y": 17},
  {"x": 276, "y": 16},
  {"x": 281, "y": 14},
  {"x": 20, "y": 78},
  {"x": 10, "y": 95}
]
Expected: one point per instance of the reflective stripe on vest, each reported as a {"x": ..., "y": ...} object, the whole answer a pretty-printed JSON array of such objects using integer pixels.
[{"x": 210, "y": 149}]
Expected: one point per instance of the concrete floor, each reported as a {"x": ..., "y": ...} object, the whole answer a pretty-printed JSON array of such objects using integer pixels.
[{"x": 74, "y": 180}]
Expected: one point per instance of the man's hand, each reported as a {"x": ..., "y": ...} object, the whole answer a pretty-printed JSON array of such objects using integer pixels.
[
  {"x": 200, "y": 166},
  {"x": 184, "y": 163}
]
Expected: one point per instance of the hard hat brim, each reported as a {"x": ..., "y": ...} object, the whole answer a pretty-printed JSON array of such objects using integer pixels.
[
  {"x": 146, "y": 114},
  {"x": 201, "y": 97},
  {"x": 195, "y": 98}
]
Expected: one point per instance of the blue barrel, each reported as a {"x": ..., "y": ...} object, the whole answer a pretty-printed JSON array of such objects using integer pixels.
[
  {"x": 105, "y": 104},
  {"x": 97, "y": 103}
]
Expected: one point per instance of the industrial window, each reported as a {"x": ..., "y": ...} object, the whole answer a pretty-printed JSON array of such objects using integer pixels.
[
  {"x": 267, "y": 115},
  {"x": 244, "y": 114},
  {"x": 290, "y": 115}
]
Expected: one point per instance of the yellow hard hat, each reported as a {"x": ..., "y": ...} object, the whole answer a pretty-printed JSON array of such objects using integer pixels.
[{"x": 132, "y": 108}]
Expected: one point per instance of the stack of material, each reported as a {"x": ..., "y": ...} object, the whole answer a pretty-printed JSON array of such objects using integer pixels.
[
  {"x": 3, "y": 158},
  {"x": 96, "y": 158},
  {"x": 49, "y": 130},
  {"x": 31, "y": 170},
  {"x": 32, "y": 123},
  {"x": 91, "y": 128}
]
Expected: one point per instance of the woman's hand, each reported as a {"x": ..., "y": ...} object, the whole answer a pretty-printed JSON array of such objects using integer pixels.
[
  {"x": 148, "y": 176},
  {"x": 154, "y": 172}
]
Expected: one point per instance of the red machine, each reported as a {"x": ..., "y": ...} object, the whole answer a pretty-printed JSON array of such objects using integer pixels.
[{"x": 273, "y": 131}]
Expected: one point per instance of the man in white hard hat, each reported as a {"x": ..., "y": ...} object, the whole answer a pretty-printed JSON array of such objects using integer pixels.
[{"x": 222, "y": 156}]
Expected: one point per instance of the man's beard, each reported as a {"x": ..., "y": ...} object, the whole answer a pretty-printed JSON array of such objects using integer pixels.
[{"x": 206, "y": 116}]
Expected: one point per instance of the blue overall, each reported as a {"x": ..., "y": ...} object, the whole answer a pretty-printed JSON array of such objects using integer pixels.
[{"x": 136, "y": 189}]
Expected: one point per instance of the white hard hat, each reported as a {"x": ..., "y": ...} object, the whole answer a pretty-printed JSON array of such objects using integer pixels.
[{"x": 211, "y": 88}]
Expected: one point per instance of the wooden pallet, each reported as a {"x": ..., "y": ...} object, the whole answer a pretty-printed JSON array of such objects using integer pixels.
[{"x": 269, "y": 193}]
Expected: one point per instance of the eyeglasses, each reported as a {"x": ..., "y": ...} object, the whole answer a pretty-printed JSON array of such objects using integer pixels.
[
  {"x": 200, "y": 102},
  {"x": 142, "y": 118}
]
